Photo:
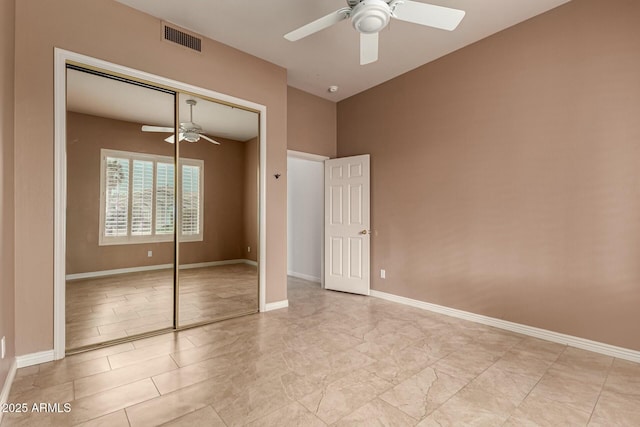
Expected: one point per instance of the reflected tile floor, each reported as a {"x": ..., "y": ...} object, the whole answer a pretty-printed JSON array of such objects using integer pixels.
[
  {"x": 334, "y": 359},
  {"x": 106, "y": 308}
]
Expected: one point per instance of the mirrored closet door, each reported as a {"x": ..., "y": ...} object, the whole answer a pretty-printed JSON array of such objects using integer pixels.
[
  {"x": 120, "y": 246},
  {"x": 217, "y": 251},
  {"x": 141, "y": 196}
]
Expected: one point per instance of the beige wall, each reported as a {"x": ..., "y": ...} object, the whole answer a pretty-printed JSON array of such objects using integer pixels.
[
  {"x": 311, "y": 123},
  {"x": 505, "y": 176},
  {"x": 108, "y": 30},
  {"x": 224, "y": 175},
  {"x": 7, "y": 21}
]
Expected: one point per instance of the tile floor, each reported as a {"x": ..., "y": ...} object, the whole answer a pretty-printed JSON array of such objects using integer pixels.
[
  {"x": 106, "y": 308},
  {"x": 334, "y": 359}
]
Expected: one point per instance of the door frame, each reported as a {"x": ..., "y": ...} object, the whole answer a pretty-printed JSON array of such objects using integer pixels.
[
  {"x": 61, "y": 58},
  {"x": 314, "y": 158}
]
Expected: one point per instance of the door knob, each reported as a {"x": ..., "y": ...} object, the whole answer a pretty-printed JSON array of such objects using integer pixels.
[{"x": 365, "y": 232}]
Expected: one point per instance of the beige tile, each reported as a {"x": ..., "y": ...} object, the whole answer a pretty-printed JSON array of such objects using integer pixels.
[
  {"x": 543, "y": 412},
  {"x": 206, "y": 416},
  {"x": 399, "y": 366},
  {"x": 624, "y": 377},
  {"x": 582, "y": 365},
  {"x": 253, "y": 401},
  {"x": 329, "y": 358},
  {"x": 59, "y": 393},
  {"x": 192, "y": 374},
  {"x": 377, "y": 412},
  {"x": 424, "y": 392},
  {"x": 36, "y": 419},
  {"x": 345, "y": 395},
  {"x": 29, "y": 370},
  {"x": 466, "y": 363},
  {"x": 385, "y": 345},
  {"x": 61, "y": 372},
  {"x": 229, "y": 366},
  {"x": 150, "y": 352},
  {"x": 523, "y": 362},
  {"x": 293, "y": 414},
  {"x": 574, "y": 393},
  {"x": 505, "y": 384},
  {"x": 540, "y": 349},
  {"x": 98, "y": 353},
  {"x": 103, "y": 403},
  {"x": 114, "y": 419},
  {"x": 617, "y": 409},
  {"x": 126, "y": 375},
  {"x": 496, "y": 341},
  {"x": 472, "y": 406},
  {"x": 165, "y": 408}
]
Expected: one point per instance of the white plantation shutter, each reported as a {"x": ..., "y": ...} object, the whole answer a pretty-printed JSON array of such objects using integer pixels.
[
  {"x": 165, "y": 189},
  {"x": 138, "y": 198},
  {"x": 142, "y": 198},
  {"x": 190, "y": 218},
  {"x": 116, "y": 196}
]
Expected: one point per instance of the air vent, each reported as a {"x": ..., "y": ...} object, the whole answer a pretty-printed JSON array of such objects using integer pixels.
[{"x": 181, "y": 37}]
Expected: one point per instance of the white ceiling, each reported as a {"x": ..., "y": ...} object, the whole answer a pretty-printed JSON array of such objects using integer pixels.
[
  {"x": 331, "y": 57},
  {"x": 113, "y": 99}
]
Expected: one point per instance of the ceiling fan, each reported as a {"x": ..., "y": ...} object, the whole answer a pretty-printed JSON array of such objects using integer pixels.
[
  {"x": 369, "y": 17},
  {"x": 189, "y": 131}
]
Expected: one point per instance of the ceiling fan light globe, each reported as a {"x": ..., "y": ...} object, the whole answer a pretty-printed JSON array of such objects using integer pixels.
[
  {"x": 191, "y": 136},
  {"x": 370, "y": 16}
]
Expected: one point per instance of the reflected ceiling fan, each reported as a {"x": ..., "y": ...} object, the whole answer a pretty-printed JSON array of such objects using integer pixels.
[
  {"x": 189, "y": 131},
  {"x": 369, "y": 17}
]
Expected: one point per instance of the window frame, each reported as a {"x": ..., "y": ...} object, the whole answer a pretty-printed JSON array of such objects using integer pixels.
[{"x": 153, "y": 238}]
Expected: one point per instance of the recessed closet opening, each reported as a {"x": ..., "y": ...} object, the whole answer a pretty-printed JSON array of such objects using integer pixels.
[{"x": 161, "y": 209}]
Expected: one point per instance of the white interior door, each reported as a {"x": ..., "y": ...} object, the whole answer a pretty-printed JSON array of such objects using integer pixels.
[{"x": 346, "y": 228}]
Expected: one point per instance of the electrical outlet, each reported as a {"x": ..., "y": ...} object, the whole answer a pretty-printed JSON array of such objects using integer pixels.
[
  {"x": 383, "y": 274},
  {"x": 3, "y": 351},
  {"x": 149, "y": 254},
  {"x": 248, "y": 248}
]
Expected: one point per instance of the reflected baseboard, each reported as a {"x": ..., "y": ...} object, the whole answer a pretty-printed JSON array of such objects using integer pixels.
[
  {"x": 277, "y": 305},
  {"x": 104, "y": 273}
]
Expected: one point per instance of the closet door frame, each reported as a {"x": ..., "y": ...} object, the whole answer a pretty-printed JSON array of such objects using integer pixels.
[{"x": 61, "y": 59}]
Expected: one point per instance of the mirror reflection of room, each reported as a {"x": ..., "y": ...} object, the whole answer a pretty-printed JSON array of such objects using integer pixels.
[
  {"x": 126, "y": 204},
  {"x": 120, "y": 208},
  {"x": 218, "y": 274}
]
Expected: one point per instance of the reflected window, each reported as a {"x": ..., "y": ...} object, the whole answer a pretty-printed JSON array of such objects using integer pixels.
[{"x": 137, "y": 198}]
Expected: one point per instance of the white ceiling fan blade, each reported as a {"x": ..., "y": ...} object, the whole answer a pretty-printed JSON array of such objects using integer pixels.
[
  {"x": 171, "y": 139},
  {"x": 368, "y": 48},
  {"x": 208, "y": 139},
  {"x": 147, "y": 128},
  {"x": 430, "y": 15},
  {"x": 317, "y": 25}
]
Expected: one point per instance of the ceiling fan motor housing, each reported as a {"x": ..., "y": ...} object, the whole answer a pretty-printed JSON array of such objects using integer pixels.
[{"x": 370, "y": 16}]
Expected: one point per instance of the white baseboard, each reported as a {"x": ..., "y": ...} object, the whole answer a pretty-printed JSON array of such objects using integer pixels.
[
  {"x": 585, "y": 344},
  {"x": 304, "y": 276},
  {"x": 270, "y": 306},
  {"x": 35, "y": 358},
  {"x": 6, "y": 387},
  {"x": 104, "y": 273}
]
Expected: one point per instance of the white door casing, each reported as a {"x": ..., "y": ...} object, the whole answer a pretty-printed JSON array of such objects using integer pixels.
[{"x": 347, "y": 223}]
